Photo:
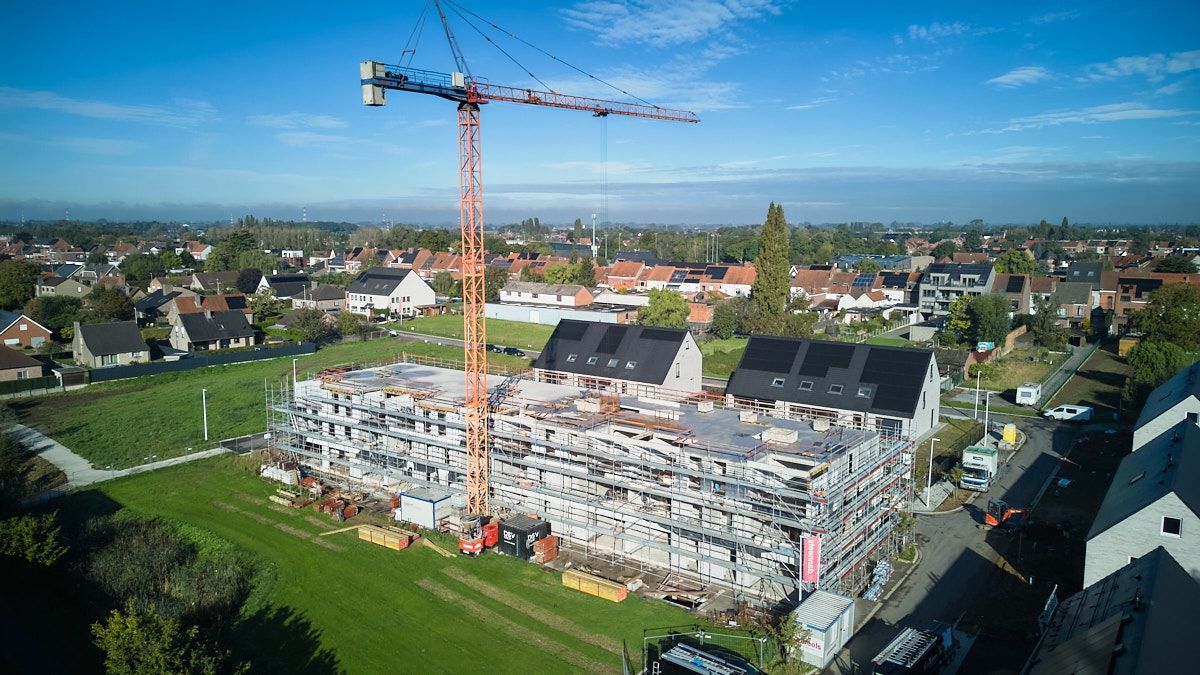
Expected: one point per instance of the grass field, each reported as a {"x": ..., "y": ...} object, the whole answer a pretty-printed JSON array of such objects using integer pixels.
[
  {"x": 721, "y": 357},
  {"x": 1097, "y": 383},
  {"x": 122, "y": 423},
  {"x": 370, "y": 609},
  {"x": 890, "y": 342},
  {"x": 1017, "y": 368},
  {"x": 499, "y": 331}
]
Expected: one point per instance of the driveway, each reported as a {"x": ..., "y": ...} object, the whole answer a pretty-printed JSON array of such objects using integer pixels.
[{"x": 451, "y": 342}]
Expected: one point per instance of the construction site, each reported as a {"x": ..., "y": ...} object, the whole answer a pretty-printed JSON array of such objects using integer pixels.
[{"x": 698, "y": 497}]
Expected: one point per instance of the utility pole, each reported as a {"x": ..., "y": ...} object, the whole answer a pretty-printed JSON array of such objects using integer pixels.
[
  {"x": 975, "y": 415},
  {"x": 929, "y": 476},
  {"x": 595, "y": 246},
  {"x": 987, "y": 408}
]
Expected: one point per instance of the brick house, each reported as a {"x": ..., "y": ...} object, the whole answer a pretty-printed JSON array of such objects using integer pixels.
[{"x": 18, "y": 330}]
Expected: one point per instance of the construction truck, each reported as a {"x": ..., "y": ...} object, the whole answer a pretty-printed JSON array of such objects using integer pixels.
[
  {"x": 478, "y": 532},
  {"x": 981, "y": 467},
  {"x": 1001, "y": 515},
  {"x": 916, "y": 651}
]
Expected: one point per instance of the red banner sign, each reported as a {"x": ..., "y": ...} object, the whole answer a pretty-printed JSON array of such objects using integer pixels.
[{"x": 811, "y": 551}]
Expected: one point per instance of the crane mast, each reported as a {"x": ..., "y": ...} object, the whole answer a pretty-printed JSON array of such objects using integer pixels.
[{"x": 470, "y": 93}]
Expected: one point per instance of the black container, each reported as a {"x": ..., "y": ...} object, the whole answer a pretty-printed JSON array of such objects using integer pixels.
[{"x": 518, "y": 534}]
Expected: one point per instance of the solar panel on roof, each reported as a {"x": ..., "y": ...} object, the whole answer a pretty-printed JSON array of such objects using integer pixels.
[
  {"x": 678, "y": 276},
  {"x": 660, "y": 335},
  {"x": 716, "y": 273},
  {"x": 898, "y": 374},
  {"x": 863, "y": 281},
  {"x": 1016, "y": 284},
  {"x": 770, "y": 355},
  {"x": 571, "y": 330},
  {"x": 612, "y": 339},
  {"x": 895, "y": 280},
  {"x": 822, "y": 356}
]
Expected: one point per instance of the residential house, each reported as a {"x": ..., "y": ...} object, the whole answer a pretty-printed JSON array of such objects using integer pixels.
[
  {"x": 624, "y": 275},
  {"x": 970, "y": 258},
  {"x": 198, "y": 250},
  {"x": 215, "y": 282},
  {"x": 899, "y": 287},
  {"x": 1016, "y": 289},
  {"x": 1074, "y": 303},
  {"x": 204, "y": 331},
  {"x": 157, "y": 304},
  {"x": 892, "y": 389},
  {"x": 17, "y": 366},
  {"x": 95, "y": 274},
  {"x": 1174, "y": 401},
  {"x": 285, "y": 286},
  {"x": 59, "y": 286},
  {"x": 1085, "y": 272},
  {"x": 1128, "y": 622},
  {"x": 18, "y": 330},
  {"x": 619, "y": 358},
  {"x": 943, "y": 283},
  {"x": 118, "y": 343},
  {"x": 323, "y": 297},
  {"x": 553, "y": 295},
  {"x": 1134, "y": 291},
  {"x": 389, "y": 291},
  {"x": 1153, "y": 501},
  {"x": 209, "y": 303}
]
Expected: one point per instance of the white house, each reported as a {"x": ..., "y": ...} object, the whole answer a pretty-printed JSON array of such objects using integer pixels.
[
  {"x": 1173, "y": 401},
  {"x": 389, "y": 291},
  {"x": 1154, "y": 500},
  {"x": 553, "y": 295}
]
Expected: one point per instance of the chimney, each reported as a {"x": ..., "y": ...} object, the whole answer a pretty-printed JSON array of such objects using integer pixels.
[{"x": 208, "y": 313}]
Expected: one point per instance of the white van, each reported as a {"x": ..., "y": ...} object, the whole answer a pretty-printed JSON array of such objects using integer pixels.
[
  {"x": 1073, "y": 413},
  {"x": 1029, "y": 393}
]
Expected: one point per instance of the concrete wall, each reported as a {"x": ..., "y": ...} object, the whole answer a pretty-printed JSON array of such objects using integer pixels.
[
  {"x": 550, "y": 316},
  {"x": 1165, "y": 422},
  {"x": 1140, "y": 534}
]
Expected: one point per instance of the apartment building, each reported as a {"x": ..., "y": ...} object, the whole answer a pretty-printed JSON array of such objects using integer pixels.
[{"x": 943, "y": 283}]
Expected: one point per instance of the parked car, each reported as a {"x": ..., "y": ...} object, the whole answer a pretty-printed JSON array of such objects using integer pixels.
[
  {"x": 513, "y": 351},
  {"x": 495, "y": 349},
  {"x": 392, "y": 332},
  {"x": 1073, "y": 413}
]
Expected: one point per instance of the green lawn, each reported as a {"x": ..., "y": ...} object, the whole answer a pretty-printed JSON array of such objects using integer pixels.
[
  {"x": 1019, "y": 367},
  {"x": 721, "y": 357},
  {"x": 1097, "y": 383},
  {"x": 122, "y": 423},
  {"x": 499, "y": 332},
  {"x": 954, "y": 436},
  {"x": 370, "y": 609},
  {"x": 891, "y": 342}
]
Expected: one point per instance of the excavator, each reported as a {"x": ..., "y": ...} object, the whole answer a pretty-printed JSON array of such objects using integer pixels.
[{"x": 1000, "y": 514}]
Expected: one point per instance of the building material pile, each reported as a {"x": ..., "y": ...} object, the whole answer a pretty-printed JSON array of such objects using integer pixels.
[
  {"x": 387, "y": 537},
  {"x": 284, "y": 472},
  {"x": 545, "y": 550},
  {"x": 594, "y": 585}
]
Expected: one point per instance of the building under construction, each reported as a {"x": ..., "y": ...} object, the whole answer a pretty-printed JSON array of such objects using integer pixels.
[{"x": 679, "y": 484}]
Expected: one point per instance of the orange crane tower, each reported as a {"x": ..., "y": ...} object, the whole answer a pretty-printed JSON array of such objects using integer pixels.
[{"x": 469, "y": 93}]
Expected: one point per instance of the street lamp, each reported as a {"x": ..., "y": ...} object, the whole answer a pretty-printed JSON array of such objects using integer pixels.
[
  {"x": 204, "y": 409},
  {"x": 929, "y": 476},
  {"x": 975, "y": 415},
  {"x": 294, "y": 380},
  {"x": 987, "y": 408}
]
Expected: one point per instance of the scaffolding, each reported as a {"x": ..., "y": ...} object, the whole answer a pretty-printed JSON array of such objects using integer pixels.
[{"x": 680, "y": 484}]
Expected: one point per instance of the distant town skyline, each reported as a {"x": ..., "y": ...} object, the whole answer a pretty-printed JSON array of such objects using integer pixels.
[{"x": 1010, "y": 114}]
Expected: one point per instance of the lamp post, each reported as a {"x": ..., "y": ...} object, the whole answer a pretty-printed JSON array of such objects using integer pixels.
[
  {"x": 204, "y": 410},
  {"x": 975, "y": 415},
  {"x": 929, "y": 476},
  {"x": 987, "y": 408},
  {"x": 294, "y": 380}
]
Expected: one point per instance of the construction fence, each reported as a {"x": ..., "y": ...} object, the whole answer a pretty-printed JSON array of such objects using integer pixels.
[{"x": 199, "y": 361}]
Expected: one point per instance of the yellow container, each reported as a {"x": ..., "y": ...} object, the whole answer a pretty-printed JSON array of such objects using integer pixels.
[
  {"x": 594, "y": 585},
  {"x": 1010, "y": 433}
]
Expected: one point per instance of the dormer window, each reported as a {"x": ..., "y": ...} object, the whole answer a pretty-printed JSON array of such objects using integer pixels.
[
  {"x": 835, "y": 388},
  {"x": 571, "y": 358},
  {"x": 777, "y": 382},
  {"x": 806, "y": 385}
]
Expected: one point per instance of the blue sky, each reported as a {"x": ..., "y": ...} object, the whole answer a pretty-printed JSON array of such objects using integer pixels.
[{"x": 1010, "y": 112}]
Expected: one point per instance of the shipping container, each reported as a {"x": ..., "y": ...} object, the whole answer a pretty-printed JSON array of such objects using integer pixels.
[
  {"x": 519, "y": 533},
  {"x": 594, "y": 585},
  {"x": 424, "y": 507},
  {"x": 828, "y": 619}
]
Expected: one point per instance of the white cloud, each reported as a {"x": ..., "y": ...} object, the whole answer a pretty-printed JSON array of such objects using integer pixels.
[
  {"x": 814, "y": 103},
  {"x": 663, "y": 22},
  {"x": 296, "y": 120},
  {"x": 1173, "y": 88},
  {"x": 936, "y": 31},
  {"x": 308, "y": 139},
  {"x": 1113, "y": 112},
  {"x": 1019, "y": 77},
  {"x": 598, "y": 167},
  {"x": 1153, "y": 67},
  {"x": 1055, "y": 17},
  {"x": 183, "y": 113}
]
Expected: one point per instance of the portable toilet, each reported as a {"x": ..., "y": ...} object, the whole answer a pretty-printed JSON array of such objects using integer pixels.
[{"x": 1010, "y": 434}]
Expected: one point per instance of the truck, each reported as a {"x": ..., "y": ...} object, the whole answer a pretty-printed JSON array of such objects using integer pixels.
[
  {"x": 981, "y": 467},
  {"x": 1029, "y": 393},
  {"x": 916, "y": 651}
]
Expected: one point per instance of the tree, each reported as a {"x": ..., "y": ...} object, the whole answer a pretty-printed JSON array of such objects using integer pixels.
[
  {"x": 787, "y": 635},
  {"x": 1153, "y": 363},
  {"x": 108, "y": 304},
  {"x": 1043, "y": 324},
  {"x": 443, "y": 283},
  {"x": 868, "y": 266},
  {"x": 136, "y": 644},
  {"x": 1178, "y": 264},
  {"x": 958, "y": 323},
  {"x": 312, "y": 325},
  {"x": 18, "y": 280},
  {"x": 1015, "y": 261},
  {"x": 171, "y": 260},
  {"x": 972, "y": 241},
  {"x": 586, "y": 273},
  {"x": 667, "y": 309},
  {"x": 263, "y": 303},
  {"x": 561, "y": 273},
  {"x": 1172, "y": 315},
  {"x": 141, "y": 267},
  {"x": 494, "y": 279},
  {"x": 955, "y": 476},
  {"x": 771, "y": 288},
  {"x": 989, "y": 318},
  {"x": 577, "y": 232},
  {"x": 353, "y": 324},
  {"x": 944, "y": 249},
  {"x": 55, "y": 312},
  {"x": 34, "y": 539},
  {"x": 248, "y": 280},
  {"x": 96, "y": 258},
  {"x": 729, "y": 316}
]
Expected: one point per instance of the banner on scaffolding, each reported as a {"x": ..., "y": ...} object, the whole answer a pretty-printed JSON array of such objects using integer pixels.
[{"x": 811, "y": 563}]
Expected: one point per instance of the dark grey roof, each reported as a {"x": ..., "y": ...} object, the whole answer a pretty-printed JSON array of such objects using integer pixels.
[
  {"x": 65, "y": 271},
  {"x": 322, "y": 292},
  {"x": 1167, "y": 464},
  {"x": 116, "y": 337},
  {"x": 540, "y": 288},
  {"x": 378, "y": 281},
  {"x": 956, "y": 270},
  {"x": 1184, "y": 384},
  {"x": 865, "y": 378},
  {"x": 1085, "y": 272},
  {"x": 641, "y": 353},
  {"x": 210, "y": 280},
  {"x": 1073, "y": 293},
  {"x": 155, "y": 300},
  {"x": 1141, "y": 608},
  {"x": 52, "y": 281},
  {"x": 11, "y": 358},
  {"x": 202, "y": 327},
  {"x": 288, "y": 285},
  {"x": 636, "y": 255}
]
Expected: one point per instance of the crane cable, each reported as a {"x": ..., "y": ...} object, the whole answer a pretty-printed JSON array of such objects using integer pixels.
[
  {"x": 456, "y": 7},
  {"x": 417, "y": 31}
]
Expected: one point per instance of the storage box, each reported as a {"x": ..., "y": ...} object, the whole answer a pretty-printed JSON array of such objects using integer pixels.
[{"x": 519, "y": 533}]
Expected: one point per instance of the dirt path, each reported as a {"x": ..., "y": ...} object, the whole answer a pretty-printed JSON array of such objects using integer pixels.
[
  {"x": 535, "y": 612},
  {"x": 512, "y": 630}
]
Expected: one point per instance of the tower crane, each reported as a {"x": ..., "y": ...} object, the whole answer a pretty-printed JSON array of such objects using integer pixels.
[{"x": 471, "y": 92}]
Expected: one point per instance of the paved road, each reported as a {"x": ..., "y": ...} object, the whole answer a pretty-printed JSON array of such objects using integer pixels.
[
  {"x": 78, "y": 470},
  {"x": 955, "y": 559},
  {"x": 450, "y": 342}
]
